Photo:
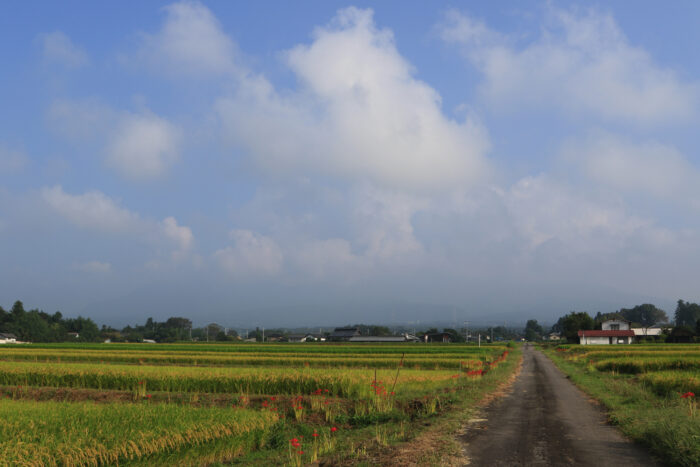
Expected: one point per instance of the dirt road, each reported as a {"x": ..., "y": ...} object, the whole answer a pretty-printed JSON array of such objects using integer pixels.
[{"x": 546, "y": 420}]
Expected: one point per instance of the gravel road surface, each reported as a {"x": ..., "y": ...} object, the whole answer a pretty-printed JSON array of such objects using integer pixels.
[{"x": 546, "y": 420}]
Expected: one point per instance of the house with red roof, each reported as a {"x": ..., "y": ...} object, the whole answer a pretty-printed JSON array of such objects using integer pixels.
[{"x": 614, "y": 331}]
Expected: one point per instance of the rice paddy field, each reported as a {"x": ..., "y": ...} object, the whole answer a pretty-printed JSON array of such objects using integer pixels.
[
  {"x": 650, "y": 391},
  {"x": 213, "y": 404}
]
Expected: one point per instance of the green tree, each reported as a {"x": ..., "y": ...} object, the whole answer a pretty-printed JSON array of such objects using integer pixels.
[
  {"x": 570, "y": 324},
  {"x": 85, "y": 327},
  {"x": 533, "y": 331},
  {"x": 645, "y": 314},
  {"x": 687, "y": 314}
]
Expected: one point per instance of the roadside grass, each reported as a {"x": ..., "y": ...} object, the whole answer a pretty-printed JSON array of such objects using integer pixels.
[{"x": 664, "y": 424}]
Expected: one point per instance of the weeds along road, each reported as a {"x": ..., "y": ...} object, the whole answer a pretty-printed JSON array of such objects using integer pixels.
[{"x": 546, "y": 420}]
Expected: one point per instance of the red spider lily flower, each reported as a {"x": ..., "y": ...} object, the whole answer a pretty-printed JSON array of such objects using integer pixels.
[
  {"x": 314, "y": 434},
  {"x": 688, "y": 394},
  {"x": 325, "y": 390},
  {"x": 148, "y": 395},
  {"x": 334, "y": 429},
  {"x": 393, "y": 393},
  {"x": 300, "y": 452},
  {"x": 265, "y": 404}
]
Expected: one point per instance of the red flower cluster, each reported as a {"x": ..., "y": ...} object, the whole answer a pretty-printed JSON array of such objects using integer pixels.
[
  {"x": 687, "y": 395},
  {"x": 378, "y": 388},
  {"x": 318, "y": 392},
  {"x": 334, "y": 429},
  {"x": 296, "y": 444},
  {"x": 478, "y": 372},
  {"x": 296, "y": 402}
]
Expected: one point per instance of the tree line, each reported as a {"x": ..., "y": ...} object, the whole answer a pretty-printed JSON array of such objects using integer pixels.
[{"x": 686, "y": 322}]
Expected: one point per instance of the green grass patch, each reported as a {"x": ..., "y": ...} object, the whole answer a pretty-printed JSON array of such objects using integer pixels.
[{"x": 667, "y": 425}]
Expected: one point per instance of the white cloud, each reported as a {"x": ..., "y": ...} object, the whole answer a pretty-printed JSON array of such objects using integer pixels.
[
  {"x": 58, "y": 48},
  {"x": 96, "y": 211},
  {"x": 582, "y": 64},
  {"x": 383, "y": 222},
  {"x": 143, "y": 146},
  {"x": 191, "y": 42},
  {"x": 650, "y": 167},
  {"x": 327, "y": 259},
  {"x": 542, "y": 209},
  {"x": 93, "y": 210},
  {"x": 94, "y": 267},
  {"x": 12, "y": 160},
  {"x": 252, "y": 255},
  {"x": 181, "y": 235},
  {"x": 360, "y": 114},
  {"x": 139, "y": 146}
]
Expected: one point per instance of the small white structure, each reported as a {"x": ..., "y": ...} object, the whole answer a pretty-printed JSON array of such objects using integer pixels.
[
  {"x": 650, "y": 332},
  {"x": 614, "y": 331},
  {"x": 7, "y": 338},
  {"x": 554, "y": 336},
  {"x": 402, "y": 338}
]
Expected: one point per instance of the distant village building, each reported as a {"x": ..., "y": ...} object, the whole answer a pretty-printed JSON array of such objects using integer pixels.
[
  {"x": 273, "y": 337},
  {"x": 300, "y": 338},
  {"x": 554, "y": 336},
  {"x": 343, "y": 334},
  {"x": 614, "y": 331},
  {"x": 443, "y": 337},
  {"x": 7, "y": 338},
  {"x": 641, "y": 333},
  {"x": 378, "y": 339}
]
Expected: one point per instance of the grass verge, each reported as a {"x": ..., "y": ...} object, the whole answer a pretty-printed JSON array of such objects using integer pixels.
[{"x": 666, "y": 426}]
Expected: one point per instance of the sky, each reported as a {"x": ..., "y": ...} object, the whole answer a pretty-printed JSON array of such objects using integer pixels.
[{"x": 322, "y": 163}]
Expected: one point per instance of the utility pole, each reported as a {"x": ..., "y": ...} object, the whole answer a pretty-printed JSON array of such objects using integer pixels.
[
  {"x": 263, "y": 336},
  {"x": 479, "y": 340},
  {"x": 466, "y": 331},
  {"x": 492, "y": 334}
]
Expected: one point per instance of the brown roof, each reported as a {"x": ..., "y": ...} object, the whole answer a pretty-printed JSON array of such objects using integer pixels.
[{"x": 597, "y": 333}]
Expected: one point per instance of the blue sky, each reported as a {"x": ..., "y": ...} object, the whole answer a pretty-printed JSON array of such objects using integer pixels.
[{"x": 319, "y": 163}]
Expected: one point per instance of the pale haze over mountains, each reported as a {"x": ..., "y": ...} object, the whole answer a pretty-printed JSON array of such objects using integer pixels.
[{"x": 329, "y": 163}]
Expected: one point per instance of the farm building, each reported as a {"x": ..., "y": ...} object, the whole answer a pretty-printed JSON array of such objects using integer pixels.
[
  {"x": 300, "y": 338},
  {"x": 554, "y": 336},
  {"x": 7, "y": 338},
  {"x": 343, "y": 334},
  {"x": 614, "y": 331},
  {"x": 444, "y": 337},
  {"x": 404, "y": 338}
]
